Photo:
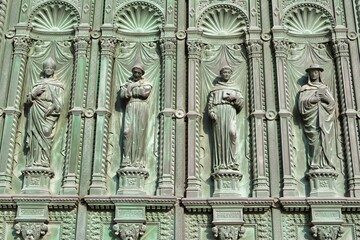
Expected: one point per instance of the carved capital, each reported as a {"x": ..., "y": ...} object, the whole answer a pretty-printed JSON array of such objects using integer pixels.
[
  {"x": 129, "y": 231},
  {"x": 281, "y": 47},
  {"x": 107, "y": 45},
  {"x": 22, "y": 44},
  {"x": 327, "y": 232},
  {"x": 341, "y": 47},
  {"x": 228, "y": 232},
  {"x": 194, "y": 48},
  {"x": 31, "y": 231},
  {"x": 81, "y": 44},
  {"x": 168, "y": 46},
  {"x": 254, "y": 48}
]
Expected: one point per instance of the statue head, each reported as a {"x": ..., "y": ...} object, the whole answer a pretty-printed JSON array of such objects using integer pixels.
[
  {"x": 49, "y": 67},
  {"x": 137, "y": 71},
  {"x": 314, "y": 72},
  {"x": 225, "y": 73}
]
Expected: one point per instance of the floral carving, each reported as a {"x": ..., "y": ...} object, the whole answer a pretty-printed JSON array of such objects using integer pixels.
[
  {"x": 31, "y": 231},
  {"x": 129, "y": 231},
  {"x": 228, "y": 232},
  {"x": 327, "y": 232}
]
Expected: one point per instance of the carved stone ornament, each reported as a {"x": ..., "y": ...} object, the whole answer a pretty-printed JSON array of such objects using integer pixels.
[
  {"x": 327, "y": 232},
  {"x": 31, "y": 231},
  {"x": 129, "y": 231},
  {"x": 228, "y": 232}
]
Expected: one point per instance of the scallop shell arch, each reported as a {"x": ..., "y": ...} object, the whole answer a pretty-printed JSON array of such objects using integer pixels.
[
  {"x": 54, "y": 17},
  {"x": 223, "y": 21},
  {"x": 306, "y": 20},
  {"x": 139, "y": 18}
]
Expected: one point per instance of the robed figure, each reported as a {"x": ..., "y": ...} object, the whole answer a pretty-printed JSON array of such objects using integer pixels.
[
  {"x": 135, "y": 92},
  {"x": 317, "y": 108},
  {"x": 46, "y": 100},
  {"x": 225, "y": 102}
]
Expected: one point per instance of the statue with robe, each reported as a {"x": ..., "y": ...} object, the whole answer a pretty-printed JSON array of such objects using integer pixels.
[
  {"x": 46, "y": 101},
  {"x": 225, "y": 102},
  {"x": 317, "y": 109},
  {"x": 135, "y": 93}
]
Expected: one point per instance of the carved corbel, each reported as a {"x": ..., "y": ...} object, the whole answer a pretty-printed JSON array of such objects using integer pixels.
[
  {"x": 327, "y": 232},
  {"x": 129, "y": 231},
  {"x": 31, "y": 231},
  {"x": 226, "y": 232}
]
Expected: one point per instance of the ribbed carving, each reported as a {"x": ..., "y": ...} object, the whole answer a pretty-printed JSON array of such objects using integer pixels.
[
  {"x": 3, "y": 7},
  {"x": 198, "y": 119}
]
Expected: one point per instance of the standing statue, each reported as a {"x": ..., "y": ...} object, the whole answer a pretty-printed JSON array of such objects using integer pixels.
[
  {"x": 46, "y": 99},
  {"x": 225, "y": 102},
  {"x": 317, "y": 108},
  {"x": 136, "y": 92}
]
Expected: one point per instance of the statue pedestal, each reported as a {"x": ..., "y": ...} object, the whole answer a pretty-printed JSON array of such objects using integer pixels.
[
  {"x": 132, "y": 181},
  {"x": 322, "y": 182},
  {"x": 37, "y": 180},
  {"x": 226, "y": 183}
]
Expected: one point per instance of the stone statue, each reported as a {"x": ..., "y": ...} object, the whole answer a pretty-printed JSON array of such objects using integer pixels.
[
  {"x": 317, "y": 108},
  {"x": 46, "y": 99},
  {"x": 225, "y": 102},
  {"x": 136, "y": 92}
]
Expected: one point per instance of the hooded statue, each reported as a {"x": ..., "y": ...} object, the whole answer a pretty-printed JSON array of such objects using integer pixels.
[{"x": 317, "y": 108}]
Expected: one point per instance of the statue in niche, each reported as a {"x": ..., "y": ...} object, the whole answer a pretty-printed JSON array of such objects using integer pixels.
[
  {"x": 317, "y": 108},
  {"x": 225, "y": 102},
  {"x": 46, "y": 100},
  {"x": 135, "y": 92}
]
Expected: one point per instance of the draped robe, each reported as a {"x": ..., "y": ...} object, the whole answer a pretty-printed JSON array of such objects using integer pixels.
[{"x": 41, "y": 128}]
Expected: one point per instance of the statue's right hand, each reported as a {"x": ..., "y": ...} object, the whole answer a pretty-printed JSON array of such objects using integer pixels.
[
  {"x": 38, "y": 90},
  {"x": 213, "y": 116}
]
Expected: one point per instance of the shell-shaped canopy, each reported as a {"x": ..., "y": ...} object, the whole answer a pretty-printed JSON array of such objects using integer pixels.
[
  {"x": 54, "y": 18},
  {"x": 140, "y": 19},
  {"x": 307, "y": 20},
  {"x": 222, "y": 22}
]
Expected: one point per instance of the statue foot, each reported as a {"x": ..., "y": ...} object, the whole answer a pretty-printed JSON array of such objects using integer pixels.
[{"x": 314, "y": 166}]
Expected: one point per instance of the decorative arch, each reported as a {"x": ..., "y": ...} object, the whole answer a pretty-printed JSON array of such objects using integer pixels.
[
  {"x": 139, "y": 18},
  {"x": 308, "y": 19},
  {"x": 54, "y": 17},
  {"x": 223, "y": 21}
]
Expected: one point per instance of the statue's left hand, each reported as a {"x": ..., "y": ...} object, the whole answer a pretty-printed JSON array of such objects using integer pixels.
[
  {"x": 230, "y": 97},
  {"x": 49, "y": 110}
]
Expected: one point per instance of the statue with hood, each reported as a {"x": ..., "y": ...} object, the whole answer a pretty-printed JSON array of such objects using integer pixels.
[
  {"x": 46, "y": 100},
  {"x": 135, "y": 93},
  {"x": 318, "y": 112},
  {"x": 225, "y": 102}
]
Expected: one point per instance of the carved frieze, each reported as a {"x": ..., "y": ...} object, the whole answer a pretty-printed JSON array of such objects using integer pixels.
[
  {"x": 226, "y": 232},
  {"x": 327, "y": 232},
  {"x": 129, "y": 231},
  {"x": 31, "y": 231}
]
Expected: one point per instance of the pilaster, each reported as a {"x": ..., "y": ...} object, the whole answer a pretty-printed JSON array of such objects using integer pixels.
[
  {"x": 193, "y": 115},
  {"x": 285, "y": 115},
  {"x": 108, "y": 43},
  {"x": 12, "y": 111},
  {"x": 348, "y": 112},
  {"x": 71, "y": 178},
  {"x": 168, "y": 48}
]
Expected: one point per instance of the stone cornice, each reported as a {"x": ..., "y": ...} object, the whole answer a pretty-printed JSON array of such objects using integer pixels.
[{"x": 53, "y": 201}]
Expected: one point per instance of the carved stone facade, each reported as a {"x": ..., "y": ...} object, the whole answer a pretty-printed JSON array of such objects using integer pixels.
[{"x": 183, "y": 120}]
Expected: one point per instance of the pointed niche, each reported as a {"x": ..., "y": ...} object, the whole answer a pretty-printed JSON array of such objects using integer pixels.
[
  {"x": 222, "y": 21},
  {"x": 54, "y": 18}
]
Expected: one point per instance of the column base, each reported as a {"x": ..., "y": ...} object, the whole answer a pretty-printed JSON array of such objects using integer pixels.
[
  {"x": 37, "y": 180},
  {"x": 227, "y": 183},
  {"x": 132, "y": 181}
]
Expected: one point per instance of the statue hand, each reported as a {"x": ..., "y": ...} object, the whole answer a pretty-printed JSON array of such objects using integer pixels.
[
  {"x": 38, "y": 90},
  {"x": 230, "y": 97},
  {"x": 49, "y": 110},
  {"x": 315, "y": 99},
  {"x": 213, "y": 116}
]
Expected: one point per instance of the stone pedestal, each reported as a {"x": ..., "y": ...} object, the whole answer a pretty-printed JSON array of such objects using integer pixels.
[
  {"x": 132, "y": 181},
  {"x": 227, "y": 183},
  {"x": 37, "y": 180},
  {"x": 322, "y": 182}
]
